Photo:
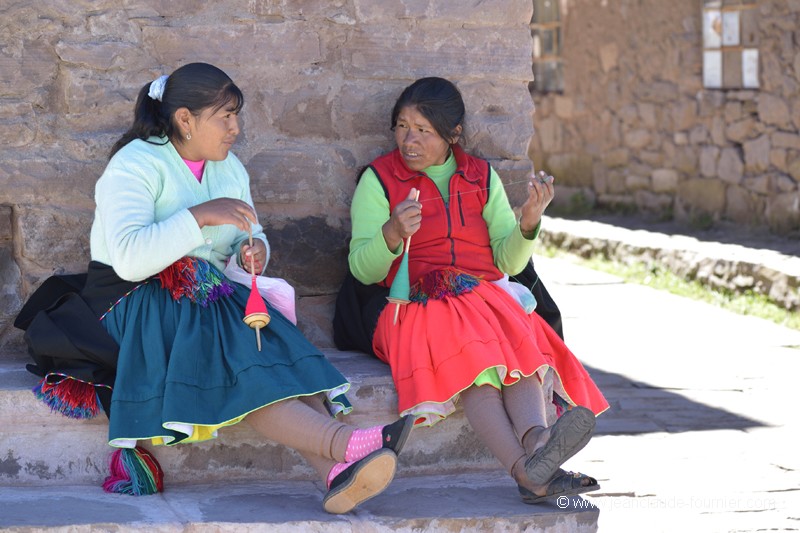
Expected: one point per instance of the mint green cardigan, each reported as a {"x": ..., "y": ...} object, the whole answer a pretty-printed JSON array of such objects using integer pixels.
[{"x": 142, "y": 222}]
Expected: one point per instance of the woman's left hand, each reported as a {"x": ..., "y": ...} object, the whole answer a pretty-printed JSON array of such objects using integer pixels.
[
  {"x": 259, "y": 254},
  {"x": 540, "y": 194}
]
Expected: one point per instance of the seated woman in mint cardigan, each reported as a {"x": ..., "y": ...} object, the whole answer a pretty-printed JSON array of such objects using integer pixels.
[{"x": 174, "y": 361}]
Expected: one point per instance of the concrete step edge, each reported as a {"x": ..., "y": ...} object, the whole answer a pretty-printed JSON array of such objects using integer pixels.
[{"x": 473, "y": 501}]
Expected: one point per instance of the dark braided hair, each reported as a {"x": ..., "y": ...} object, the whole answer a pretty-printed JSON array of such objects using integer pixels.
[
  {"x": 438, "y": 100},
  {"x": 195, "y": 86}
]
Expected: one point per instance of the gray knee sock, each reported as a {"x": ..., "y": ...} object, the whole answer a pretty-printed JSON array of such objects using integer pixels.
[{"x": 488, "y": 418}]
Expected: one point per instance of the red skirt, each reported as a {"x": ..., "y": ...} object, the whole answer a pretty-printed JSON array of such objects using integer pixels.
[{"x": 437, "y": 349}]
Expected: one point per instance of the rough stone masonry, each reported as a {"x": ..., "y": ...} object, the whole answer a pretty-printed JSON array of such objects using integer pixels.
[
  {"x": 635, "y": 128},
  {"x": 319, "y": 80}
]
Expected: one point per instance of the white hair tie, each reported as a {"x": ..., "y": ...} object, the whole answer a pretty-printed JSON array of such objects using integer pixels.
[{"x": 156, "y": 91}]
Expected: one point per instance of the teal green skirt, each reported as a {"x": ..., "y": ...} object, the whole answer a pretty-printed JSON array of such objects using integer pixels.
[{"x": 185, "y": 370}]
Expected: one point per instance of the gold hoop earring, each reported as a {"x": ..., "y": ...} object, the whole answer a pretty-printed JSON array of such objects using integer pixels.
[{"x": 188, "y": 136}]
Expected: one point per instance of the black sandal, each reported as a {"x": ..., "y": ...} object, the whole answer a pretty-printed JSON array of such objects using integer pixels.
[
  {"x": 563, "y": 484},
  {"x": 571, "y": 432}
]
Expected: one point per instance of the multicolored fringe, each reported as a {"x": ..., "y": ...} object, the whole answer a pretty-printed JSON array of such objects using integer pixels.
[
  {"x": 195, "y": 279},
  {"x": 69, "y": 396},
  {"x": 134, "y": 471},
  {"x": 440, "y": 284}
]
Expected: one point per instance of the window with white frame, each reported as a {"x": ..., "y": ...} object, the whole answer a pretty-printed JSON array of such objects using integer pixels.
[{"x": 730, "y": 44}]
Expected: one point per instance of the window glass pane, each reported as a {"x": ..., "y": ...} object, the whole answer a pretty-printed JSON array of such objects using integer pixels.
[
  {"x": 548, "y": 42},
  {"x": 749, "y": 27},
  {"x": 712, "y": 28},
  {"x": 537, "y": 44},
  {"x": 730, "y": 28},
  {"x": 557, "y": 47},
  {"x": 548, "y": 76},
  {"x": 712, "y": 69},
  {"x": 545, "y": 11},
  {"x": 750, "y": 68},
  {"x": 731, "y": 69}
]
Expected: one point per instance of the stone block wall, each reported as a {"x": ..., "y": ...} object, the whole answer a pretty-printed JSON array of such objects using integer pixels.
[
  {"x": 319, "y": 80},
  {"x": 635, "y": 128}
]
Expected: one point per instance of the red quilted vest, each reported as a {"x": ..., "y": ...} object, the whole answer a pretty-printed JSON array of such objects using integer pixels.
[{"x": 452, "y": 234}]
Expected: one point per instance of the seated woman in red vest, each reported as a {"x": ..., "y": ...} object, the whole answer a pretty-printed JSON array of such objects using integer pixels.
[{"x": 463, "y": 335}]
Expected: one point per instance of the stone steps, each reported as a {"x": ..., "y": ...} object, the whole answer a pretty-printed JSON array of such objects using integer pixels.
[
  {"x": 48, "y": 447},
  {"x": 52, "y": 468}
]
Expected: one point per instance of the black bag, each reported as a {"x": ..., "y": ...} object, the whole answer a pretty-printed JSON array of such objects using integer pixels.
[{"x": 63, "y": 332}]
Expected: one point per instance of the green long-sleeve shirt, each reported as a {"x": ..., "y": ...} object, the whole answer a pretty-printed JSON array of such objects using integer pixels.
[{"x": 370, "y": 258}]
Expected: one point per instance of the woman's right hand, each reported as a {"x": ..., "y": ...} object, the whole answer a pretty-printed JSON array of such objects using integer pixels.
[
  {"x": 221, "y": 211},
  {"x": 404, "y": 222}
]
